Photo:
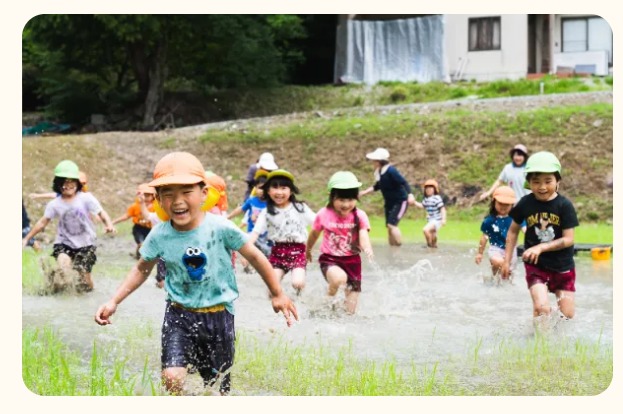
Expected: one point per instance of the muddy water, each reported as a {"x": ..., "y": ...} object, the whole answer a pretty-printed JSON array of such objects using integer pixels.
[{"x": 416, "y": 305}]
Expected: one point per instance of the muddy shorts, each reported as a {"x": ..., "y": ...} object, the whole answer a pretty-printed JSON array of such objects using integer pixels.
[
  {"x": 82, "y": 259},
  {"x": 203, "y": 338},
  {"x": 288, "y": 256},
  {"x": 351, "y": 265},
  {"x": 394, "y": 212},
  {"x": 140, "y": 233},
  {"x": 553, "y": 280},
  {"x": 161, "y": 270}
]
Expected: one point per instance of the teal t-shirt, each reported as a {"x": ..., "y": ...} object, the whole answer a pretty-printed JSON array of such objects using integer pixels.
[{"x": 198, "y": 262}]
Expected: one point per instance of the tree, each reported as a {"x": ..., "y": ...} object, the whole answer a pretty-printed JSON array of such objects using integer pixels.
[{"x": 82, "y": 63}]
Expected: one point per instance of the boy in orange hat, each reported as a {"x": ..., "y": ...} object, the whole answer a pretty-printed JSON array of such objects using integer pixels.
[
  {"x": 142, "y": 224},
  {"x": 201, "y": 287}
]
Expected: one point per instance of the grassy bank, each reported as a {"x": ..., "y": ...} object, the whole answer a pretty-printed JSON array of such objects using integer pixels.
[{"x": 542, "y": 366}]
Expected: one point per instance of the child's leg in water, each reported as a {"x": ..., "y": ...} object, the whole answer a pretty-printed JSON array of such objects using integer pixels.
[
  {"x": 298, "y": 279},
  {"x": 566, "y": 303},
  {"x": 336, "y": 277},
  {"x": 352, "y": 298}
]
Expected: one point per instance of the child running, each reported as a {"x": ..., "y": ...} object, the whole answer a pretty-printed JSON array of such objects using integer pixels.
[
  {"x": 252, "y": 208},
  {"x": 198, "y": 327},
  {"x": 345, "y": 234},
  {"x": 142, "y": 223},
  {"x": 74, "y": 246},
  {"x": 286, "y": 219},
  {"x": 549, "y": 238},
  {"x": 494, "y": 229},
  {"x": 435, "y": 212}
]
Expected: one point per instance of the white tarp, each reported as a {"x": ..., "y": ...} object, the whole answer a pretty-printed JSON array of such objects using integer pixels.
[{"x": 406, "y": 50}]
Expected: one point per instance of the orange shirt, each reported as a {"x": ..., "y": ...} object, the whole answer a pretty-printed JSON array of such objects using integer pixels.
[{"x": 134, "y": 211}]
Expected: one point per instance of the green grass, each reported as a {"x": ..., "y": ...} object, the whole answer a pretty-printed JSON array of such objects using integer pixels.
[
  {"x": 49, "y": 367},
  {"x": 542, "y": 365},
  {"x": 461, "y": 231}
]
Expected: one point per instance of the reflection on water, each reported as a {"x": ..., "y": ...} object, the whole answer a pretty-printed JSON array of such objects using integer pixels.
[{"x": 416, "y": 305}]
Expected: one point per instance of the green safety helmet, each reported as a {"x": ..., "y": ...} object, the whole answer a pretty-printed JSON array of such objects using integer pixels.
[
  {"x": 542, "y": 162},
  {"x": 67, "y": 169},
  {"x": 343, "y": 180},
  {"x": 280, "y": 173}
]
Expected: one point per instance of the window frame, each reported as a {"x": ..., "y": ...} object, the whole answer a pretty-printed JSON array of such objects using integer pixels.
[{"x": 478, "y": 21}]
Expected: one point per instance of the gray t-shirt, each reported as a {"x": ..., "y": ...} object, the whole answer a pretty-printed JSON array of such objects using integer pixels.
[
  {"x": 515, "y": 178},
  {"x": 75, "y": 227}
]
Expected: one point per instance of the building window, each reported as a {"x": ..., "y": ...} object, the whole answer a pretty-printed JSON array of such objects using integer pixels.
[
  {"x": 581, "y": 34},
  {"x": 484, "y": 33}
]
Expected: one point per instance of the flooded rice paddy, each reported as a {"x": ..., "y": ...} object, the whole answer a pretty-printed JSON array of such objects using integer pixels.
[{"x": 417, "y": 305}]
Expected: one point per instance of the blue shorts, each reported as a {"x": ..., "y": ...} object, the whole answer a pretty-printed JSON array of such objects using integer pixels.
[
  {"x": 202, "y": 339},
  {"x": 140, "y": 233},
  {"x": 395, "y": 211}
]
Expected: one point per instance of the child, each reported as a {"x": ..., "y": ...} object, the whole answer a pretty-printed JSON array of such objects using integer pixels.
[
  {"x": 494, "y": 229},
  {"x": 82, "y": 177},
  {"x": 198, "y": 325},
  {"x": 551, "y": 219},
  {"x": 26, "y": 229},
  {"x": 74, "y": 246},
  {"x": 513, "y": 173},
  {"x": 252, "y": 208},
  {"x": 435, "y": 212},
  {"x": 396, "y": 192},
  {"x": 286, "y": 220},
  {"x": 345, "y": 235},
  {"x": 142, "y": 223}
]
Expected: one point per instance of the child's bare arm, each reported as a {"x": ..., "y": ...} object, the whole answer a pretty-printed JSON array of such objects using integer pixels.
[
  {"x": 443, "y": 215},
  {"x": 121, "y": 218},
  {"x": 39, "y": 226},
  {"x": 365, "y": 244},
  {"x": 42, "y": 196},
  {"x": 108, "y": 224},
  {"x": 481, "y": 247},
  {"x": 235, "y": 212},
  {"x": 511, "y": 242},
  {"x": 311, "y": 240},
  {"x": 532, "y": 254},
  {"x": 139, "y": 273},
  {"x": 280, "y": 302}
]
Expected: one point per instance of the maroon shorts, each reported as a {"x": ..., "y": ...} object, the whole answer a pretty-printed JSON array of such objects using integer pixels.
[
  {"x": 351, "y": 265},
  {"x": 553, "y": 280},
  {"x": 288, "y": 256}
]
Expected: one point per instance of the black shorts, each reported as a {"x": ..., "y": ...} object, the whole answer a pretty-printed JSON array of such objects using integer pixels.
[
  {"x": 204, "y": 340},
  {"x": 140, "y": 233},
  {"x": 82, "y": 259},
  {"x": 394, "y": 211}
]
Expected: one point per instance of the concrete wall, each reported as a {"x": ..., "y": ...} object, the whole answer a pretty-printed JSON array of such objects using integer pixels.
[{"x": 510, "y": 62}]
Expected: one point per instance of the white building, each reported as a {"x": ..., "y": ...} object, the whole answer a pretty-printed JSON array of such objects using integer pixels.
[{"x": 423, "y": 48}]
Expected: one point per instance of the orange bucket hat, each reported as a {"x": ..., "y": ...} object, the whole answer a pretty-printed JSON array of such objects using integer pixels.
[
  {"x": 432, "y": 183},
  {"x": 504, "y": 194},
  {"x": 146, "y": 189},
  {"x": 178, "y": 168}
]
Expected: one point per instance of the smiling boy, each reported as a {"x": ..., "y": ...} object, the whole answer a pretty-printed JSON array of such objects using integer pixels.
[
  {"x": 551, "y": 219},
  {"x": 198, "y": 326}
]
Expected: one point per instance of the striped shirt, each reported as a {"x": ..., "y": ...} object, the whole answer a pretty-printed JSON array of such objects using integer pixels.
[{"x": 433, "y": 205}]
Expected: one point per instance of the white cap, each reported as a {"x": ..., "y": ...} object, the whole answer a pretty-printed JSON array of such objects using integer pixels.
[
  {"x": 379, "y": 154},
  {"x": 267, "y": 162}
]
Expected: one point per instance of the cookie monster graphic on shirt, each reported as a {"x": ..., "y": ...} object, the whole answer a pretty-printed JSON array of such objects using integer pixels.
[{"x": 195, "y": 262}]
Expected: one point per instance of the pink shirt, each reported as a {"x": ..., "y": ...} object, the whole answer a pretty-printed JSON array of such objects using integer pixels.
[{"x": 339, "y": 238}]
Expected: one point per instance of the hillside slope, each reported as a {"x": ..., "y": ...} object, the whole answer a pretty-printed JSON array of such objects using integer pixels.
[{"x": 463, "y": 144}]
